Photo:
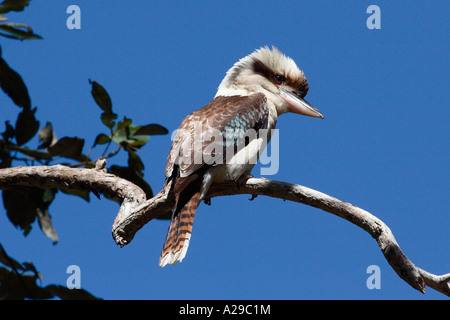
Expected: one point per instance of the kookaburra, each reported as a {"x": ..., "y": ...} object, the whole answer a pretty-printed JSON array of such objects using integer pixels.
[{"x": 209, "y": 146}]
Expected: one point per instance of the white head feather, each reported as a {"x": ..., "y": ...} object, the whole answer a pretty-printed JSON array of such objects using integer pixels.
[{"x": 239, "y": 78}]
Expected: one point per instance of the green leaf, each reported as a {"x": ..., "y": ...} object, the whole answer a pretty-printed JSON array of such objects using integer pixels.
[
  {"x": 46, "y": 136},
  {"x": 101, "y": 96},
  {"x": 135, "y": 163},
  {"x": 24, "y": 204},
  {"x": 124, "y": 123},
  {"x": 9, "y": 131},
  {"x": 126, "y": 135},
  {"x": 44, "y": 218},
  {"x": 20, "y": 209},
  {"x": 136, "y": 142},
  {"x": 151, "y": 129},
  {"x": 101, "y": 139},
  {"x": 107, "y": 119},
  {"x": 26, "y": 126},
  {"x": 45, "y": 222},
  {"x": 12, "y": 84},
  {"x": 5, "y": 156},
  {"x": 13, "y": 5},
  {"x": 18, "y": 31},
  {"x": 67, "y": 147},
  {"x": 122, "y": 132},
  {"x": 15, "y": 286},
  {"x": 8, "y": 261},
  {"x": 103, "y": 100}
]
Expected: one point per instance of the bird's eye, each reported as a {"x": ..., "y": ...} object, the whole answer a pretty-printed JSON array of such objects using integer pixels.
[{"x": 279, "y": 79}]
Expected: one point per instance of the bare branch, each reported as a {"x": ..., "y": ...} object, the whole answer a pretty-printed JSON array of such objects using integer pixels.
[
  {"x": 136, "y": 210},
  {"x": 124, "y": 230},
  {"x": 64, "y": 177}
]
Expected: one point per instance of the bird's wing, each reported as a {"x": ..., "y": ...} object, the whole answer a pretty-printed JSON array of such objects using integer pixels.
[
  {"x": 204, "y": 136},
  {"x": 203, "y": 140}
]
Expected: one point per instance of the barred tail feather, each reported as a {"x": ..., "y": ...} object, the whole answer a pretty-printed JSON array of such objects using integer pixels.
[{"x": 179, "y": 233}]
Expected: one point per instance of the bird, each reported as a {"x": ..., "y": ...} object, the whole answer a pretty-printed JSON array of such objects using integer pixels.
[{"x": 211, "y": 144}]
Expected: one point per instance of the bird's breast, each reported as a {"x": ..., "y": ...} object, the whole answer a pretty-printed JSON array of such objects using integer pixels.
[{"x": 243, "y": 160}]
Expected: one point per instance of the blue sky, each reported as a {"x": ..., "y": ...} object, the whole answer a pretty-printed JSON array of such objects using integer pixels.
[{"x": 383, "y": 145}]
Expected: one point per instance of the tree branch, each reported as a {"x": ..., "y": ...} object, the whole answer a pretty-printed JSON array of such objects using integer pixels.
[
  {"x": 136, "y": 210},
  {"x": 64, "y": 177},
  {"x": 125, "y": 228}
]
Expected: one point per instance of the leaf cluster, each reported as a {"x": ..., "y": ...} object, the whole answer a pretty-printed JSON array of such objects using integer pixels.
[
  {"x": 20, "y": 281},
  {"x": 126, "y": 136},
  {"x": 27, "y": 142},
  {"x": 26, "y": 204},
  {"x": 12, "y": 30}
]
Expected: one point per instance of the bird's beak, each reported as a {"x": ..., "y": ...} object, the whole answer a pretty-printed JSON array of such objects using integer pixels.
[{"x": 298, "y": 105}]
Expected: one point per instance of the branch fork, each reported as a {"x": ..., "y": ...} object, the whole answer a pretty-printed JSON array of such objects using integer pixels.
[{"x": 136, "y": 210}]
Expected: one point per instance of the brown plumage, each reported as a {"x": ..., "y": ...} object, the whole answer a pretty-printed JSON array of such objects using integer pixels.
[
  {"x": 184, "y": 173},
  {"x": 180, "y": 229},
  {"x": 221, "y": 141}
]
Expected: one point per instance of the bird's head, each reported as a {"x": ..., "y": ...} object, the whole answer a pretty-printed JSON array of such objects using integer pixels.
[{"x": 277, "y": 76}]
